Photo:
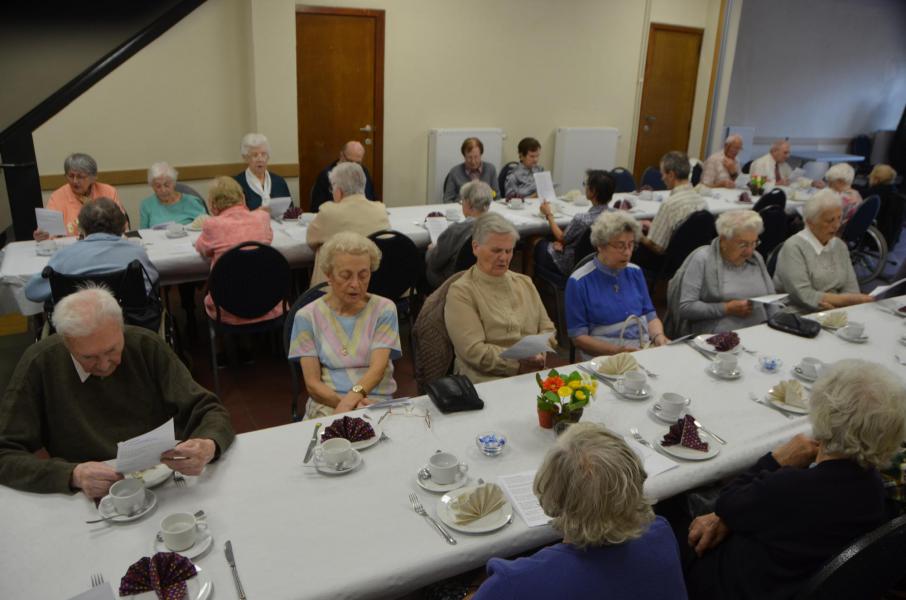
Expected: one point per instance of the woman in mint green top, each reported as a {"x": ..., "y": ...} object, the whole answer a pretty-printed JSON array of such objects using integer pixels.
[{"x": 167, "y": 205}]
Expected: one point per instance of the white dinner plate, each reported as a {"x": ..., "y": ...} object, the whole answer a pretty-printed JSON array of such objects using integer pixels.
[
  {"x": 786, "y": 407},
  {"x": 197, "y": 588},
  {"x": 840, "y": 333},
  {"x": 690, "y": 454},
  {"x": 699, "y": 341},
  {"x": 330, "y": 470},
  {"x": 152, "y": 477},
  {"x": 644, "y": 394},
  {"x": 201, "y": 545},
  {"x": 485, "y": 524},
  {"x": 107, "y": 511},
  {"x": 713, "y": 369},
  {"x": 362, "y": 444},
  {"x": 432, "y": 486},
  {"x": 798, "y": 372}
]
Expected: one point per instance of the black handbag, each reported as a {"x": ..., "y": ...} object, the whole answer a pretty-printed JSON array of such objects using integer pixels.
[
  {"x": 454, "y": 393},
  {"x": 793, "y": 323}
]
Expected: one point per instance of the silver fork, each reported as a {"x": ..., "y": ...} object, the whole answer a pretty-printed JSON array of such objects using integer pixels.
[
  {"x": 638, "y": 437},
  {"x": 651, "y": 374},
  {"x": 96, "y": 579},
  {"x": 179, "y": 479},
  {"x": 420, "y": 510}
]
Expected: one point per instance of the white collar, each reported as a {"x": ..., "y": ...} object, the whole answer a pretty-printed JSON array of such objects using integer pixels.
[
  {"x": 262, "y": 190},
  {"x": 83, "y": 374},
  {"x": 809, "y": 237}
]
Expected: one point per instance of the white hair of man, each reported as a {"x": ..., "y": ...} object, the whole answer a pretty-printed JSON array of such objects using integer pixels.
[
  {"x": 492, "y": 223},
  {"x": 253, "y": 140},
  {"x": 161, "y": 169},
  {"x": 840, "y": 172},
  {"x": 824, "y": 200},
  {"x": 477, "y": 194},
  {"x": 347, "y": 177},
  {"x": 858, "y": 410},
  {"x": 83, "y": 312},
  {"x": 349, "y": 242},
  {"x": 79, "y": 162},
  {"x": 733, "y": 139},
  {"x": 733, "y": 222},
  {"x": 778, "y": 144},
  {"x": 611, "y": 224}
]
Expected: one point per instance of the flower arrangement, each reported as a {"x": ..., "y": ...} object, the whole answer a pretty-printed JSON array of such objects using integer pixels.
[
  {"x": 756, "y": 184},
  {"x": 563, "y": 396}
]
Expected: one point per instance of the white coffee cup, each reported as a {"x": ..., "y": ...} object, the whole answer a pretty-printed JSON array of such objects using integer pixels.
[
  {"x": 45, "y": 248},
  {"x": 854, "y": 330},
  {"x": 179, "y": 530},
  {"x": 634, "y": 382},
  {"x": 810, "y": 366},
  {"x": 646, "y": 195},
  {"x": 445, "y": 468},
  {"x": 127, "y": 496},
  {"x": 726, "y": 363},
  {"x": 175, "y": 230},
  {"x": 336, "y": 450},
  {"x": 672, "y": 405},
  {"x": 454, "y": 214},
  {"x": 517, "y": 203}
]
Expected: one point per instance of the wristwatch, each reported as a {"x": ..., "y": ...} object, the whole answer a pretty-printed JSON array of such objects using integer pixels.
[{"x": 358, "y": 389}]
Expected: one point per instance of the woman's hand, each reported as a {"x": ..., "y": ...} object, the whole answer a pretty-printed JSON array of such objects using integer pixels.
[
  {"x": 545, "y": 208},
  {"x": 799, "y": 452},
  {"x": 348, "y": 402},
  {"x": 707, "y": 532},
  {"x": 531, "y": 364},
  {"x": 660, "y": 339},
  {"x": 40, "y": 235},
  {"x": 738, "y": 308}
]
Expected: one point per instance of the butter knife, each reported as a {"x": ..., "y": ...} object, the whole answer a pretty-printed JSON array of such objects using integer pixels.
[
  {"x": 598, "y": 376},
  {"x": 311, "y": 444},
  {"x": 682, "y": 338},
  {"x": 704, "y": 353},
  {"x": 228, "y": 550}
]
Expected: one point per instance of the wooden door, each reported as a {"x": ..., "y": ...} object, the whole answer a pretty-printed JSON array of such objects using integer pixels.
[
  {"x": 340, "y": 89},
  {"x": 665, "y": 117}
]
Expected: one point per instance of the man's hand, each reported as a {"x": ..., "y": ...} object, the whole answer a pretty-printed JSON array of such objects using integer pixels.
[
  {"x": 738, "y": 308},
  {"x": 545, "y": 208},
  {"x": 707, "y": 532},
  {"x": 532, "y": 364},
  {"x": 40, "y": 235},
  {"x": 190, "y": 457},
  {"x": 799, "y": 452},
  {"x": 93, "y": 478}
]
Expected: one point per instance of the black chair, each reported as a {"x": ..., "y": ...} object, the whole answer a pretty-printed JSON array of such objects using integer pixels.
[
  {"x": 696, "y": 173},
  {"x": 466, "y": 257},
  {"x": 776, "y": 197},
  {"x": 866, "y": 244},
  {"x": 247, "y": 281},
  {"x": 652, "y": 178},
  {"x": 891, "y": 214},
  {"x": 770, "y": 261},
  {"x": 775, "y": 229},
  {"x": 401, "y": 263},
  {"x": 295, "y": 370},
  {"x": 746, "y": 167},
  {"x": 501, "y": 179},
  {"x": 623, "y": 179},
  {"x": 697, "y": 230},
  {"x": 868, "y": 568}
]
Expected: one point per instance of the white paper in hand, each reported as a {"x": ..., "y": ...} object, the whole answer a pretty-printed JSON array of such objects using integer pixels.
[
  {"x": 435, "y": 227},
  {"x": 518, "y": 489},
  {"x": 884, "y": 288},
  {"x": 278, "y": 206},
  {"x": 143, "y": 451},
  {"x": 769, "y": 299},
  {"x": 545, "y": 186},
  {"x": 50, "y": 221},
  {"x": 529, "y": 346}
]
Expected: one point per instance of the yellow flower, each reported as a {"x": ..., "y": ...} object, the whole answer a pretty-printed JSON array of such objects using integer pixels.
[
  {"x": 565, "y": 391},
  {"x": 580, "y": 395},
  {"x": 575, "y": 384}
]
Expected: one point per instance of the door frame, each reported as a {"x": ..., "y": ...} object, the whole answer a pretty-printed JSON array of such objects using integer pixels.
[{"x": 377, "y": 175}]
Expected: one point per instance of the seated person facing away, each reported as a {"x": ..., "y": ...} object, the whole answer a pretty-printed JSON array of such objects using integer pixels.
[
  {"x": 840, "y": 179},
  {"x": 559, "y": 256},
  {"x": 258, "y": 184},
  {"x": 608, "y": 309},
  {"x": 352, "y": 152},
  {"x": 440, "y": 260},
  {"x": 231, "y": 223},
  {"x": 349, "y": 211},
  {"x": 92, "y": 384},
  {"x": 722, "y": 168},
  {"x": 520, "y": 183},
  {"x": 881, "y": 181},
  {"x": 779, "y": 522},
  {"x": 103, "y": 249},
  {"x": 490, "y": 308},
  {"x": 471, "y": 169},
  {"x": 346, "y": 339},
  {"x": 710, "y": 291},
  {"x": 167, "y": 205},
  {"x": 813, "y": 266},
  {"x": 613, "y": 546},
  {"x": 83, "y": 187}
]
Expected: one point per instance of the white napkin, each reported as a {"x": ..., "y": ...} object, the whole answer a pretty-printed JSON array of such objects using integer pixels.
[
  {"x": 618, "y": 364},
  {"x": 484, "y": 500},
  {"x": 790, "y": 392}
]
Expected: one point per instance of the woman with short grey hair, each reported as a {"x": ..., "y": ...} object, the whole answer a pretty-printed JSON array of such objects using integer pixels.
[
  {"x": 590, "y": 484},
  {"x": 490, "y": 308},
  {"x": 825, "y": 490},
  {"x": 258, "y": 183},
  {"x": 814, "y": 266},
  {"x": 440, "y": 259},
  {"x": 840, "y": 179},
  {"x": 167, "y": 204},
  {"x": 608, "y": 308},
  {"x": 710, "y": 292},
  {"x": 347, "y": 177}
]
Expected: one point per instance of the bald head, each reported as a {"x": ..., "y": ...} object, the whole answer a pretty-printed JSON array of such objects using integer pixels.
[
  {"x": 352, "y": 151},
  {"x": 733, "y": 145}
]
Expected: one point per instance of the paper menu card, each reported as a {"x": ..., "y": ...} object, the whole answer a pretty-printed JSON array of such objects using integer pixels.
[
  {"x": 435, "y": 227},
  {"x": 143, "y": 451},
  {"x": 50, "y": 221},
  {"x": 529, "y": 346},
  {"x": 278, "y": 206},
  {"x": 518, "y": 488},
  {"x": 883, "y": 288},
  {"x": 544, "y": 186}
]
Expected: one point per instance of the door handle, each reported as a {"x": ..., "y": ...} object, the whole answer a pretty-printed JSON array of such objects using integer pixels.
[
  {"x": 649, "y": 118},
  {"x": 366, "y": 128},
  {"x": 367, "y": 141},
  {"x": 646, "y": 128}
]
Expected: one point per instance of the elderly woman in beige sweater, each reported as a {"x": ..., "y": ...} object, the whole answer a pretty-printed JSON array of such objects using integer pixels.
[{"x": 490, "y": 308}]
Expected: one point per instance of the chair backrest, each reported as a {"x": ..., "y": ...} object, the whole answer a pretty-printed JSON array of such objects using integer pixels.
[
  {"x": 583, "y": 246},
  {"x": 861, "y": 220},
  {"x": 183, "y": 188},
  {"x": 868, "y": 568},
  {"x": 746, "y": 167},
  {"x": 697, "y": 230},
  {"x": 307, "y": 297},
  {"x": 401, "y": 264},
  {"x": 504, "y": 173},
  {"x": 696, "y": 173},
  {"x": 432, "y": 349},
  {"x": 466, "y": 257},
  {"x": 891, "y": 215},
  {"x": 776, "y": 197},
  {"x": 775, "y": 229},
  {"x": 652, "y": 178},
  {"x": 249, "y": 280},
  {"x": 583, "y": 261},
  {"x": 623, "y": 179},
  {"x": 770, "y": 261}
]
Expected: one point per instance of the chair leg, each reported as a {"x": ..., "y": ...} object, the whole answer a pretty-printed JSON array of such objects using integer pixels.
[
  {"x": 294, "y": 404},
  {"x": 213, "y": 335}
]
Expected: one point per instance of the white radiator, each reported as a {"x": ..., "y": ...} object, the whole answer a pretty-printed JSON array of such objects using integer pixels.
[
  {"x": 578, "y": 149},
  {"x": 444, "y": 154}
]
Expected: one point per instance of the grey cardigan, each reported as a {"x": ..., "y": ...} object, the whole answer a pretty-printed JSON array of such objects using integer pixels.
[
  {"x": 806, "y": 276},
  {"x": 457, "y": 177}
]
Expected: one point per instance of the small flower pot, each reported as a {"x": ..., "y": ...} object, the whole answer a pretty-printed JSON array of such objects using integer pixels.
[
  {"x": 546, "y": 418},
  {"x": 564, "y": 420}
]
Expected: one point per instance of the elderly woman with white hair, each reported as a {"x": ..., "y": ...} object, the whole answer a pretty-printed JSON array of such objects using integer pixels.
[
  {"x": 590, "y": 484},
  {"x": 710, "y": 291},
  {"x": 490, "y": 308},
  {"x": 840, "y": 179},
  {"x": 813, "y": 266},
  {"x": 345, "y": 340},
  {"x": 608, "y": 309},
  {"x": 800, "y": 505},
  {"x": 258, "y": 184},
  {"x": 167, "y": 205},
  {"x": 440, "y": 260}
]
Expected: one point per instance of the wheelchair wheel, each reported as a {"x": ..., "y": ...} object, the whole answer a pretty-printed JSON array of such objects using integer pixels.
[{"x": 869, "y": 256}]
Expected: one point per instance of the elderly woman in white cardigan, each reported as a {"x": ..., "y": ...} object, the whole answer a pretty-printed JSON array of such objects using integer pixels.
[
  {"x": 814, "y": 265},
  {"x": 710, "y": 292}
]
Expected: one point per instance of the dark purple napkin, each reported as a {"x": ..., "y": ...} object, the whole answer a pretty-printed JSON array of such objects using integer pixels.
[{"x": 165, "y": 574}]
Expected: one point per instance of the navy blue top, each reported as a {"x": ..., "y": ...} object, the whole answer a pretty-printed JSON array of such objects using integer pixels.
[{"x": 279, "y": 189}]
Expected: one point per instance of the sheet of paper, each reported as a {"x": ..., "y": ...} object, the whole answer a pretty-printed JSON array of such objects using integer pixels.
[
  {"x": 436, "y": 226},
  {"x": 143, "y": 451},
  {"x": 518, "y": 488},
  {"x": 101, "y": 592},
  {"x": 50, "y": 221},
  {"x": 529, "y": 346},
  {"x": 769, "y": 298},
  {"x": 278, "y": 206},
  {"x": 545, "y": 186},
  {"x": 883, "y": 288},
  {"x": 654, "y": 463}
]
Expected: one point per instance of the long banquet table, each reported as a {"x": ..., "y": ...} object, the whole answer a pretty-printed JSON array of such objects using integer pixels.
[{"x": 299, "y": 534}]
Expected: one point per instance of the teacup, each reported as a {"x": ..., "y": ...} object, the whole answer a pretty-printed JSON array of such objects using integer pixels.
[
  {"x": 175, "y": 230},
  {"x": 634, "y": 382},
  {"x": 854, "y": 330},
  {"x": 646, "y": 195},
  {"x": 45, "y": 248},
  {"x": 809, "y": 366},
  {"x": 672, "y": 405},
  {"x": 445, "y": 468},
  {"x": 454, "y": 214},
  {"x": 517, "y": 203},
  {"x": 726, "y": 363},
  {"x": 335, "y": 451},
  {"x": 127, "y": 496},
  {"x": 179, "y": 531}
]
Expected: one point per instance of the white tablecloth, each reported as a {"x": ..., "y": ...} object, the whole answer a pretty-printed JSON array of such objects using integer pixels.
[{"x": 298, "y": 534}]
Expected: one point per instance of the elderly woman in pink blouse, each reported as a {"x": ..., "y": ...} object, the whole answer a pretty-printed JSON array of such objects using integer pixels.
[{"x": 232, "y": 223}]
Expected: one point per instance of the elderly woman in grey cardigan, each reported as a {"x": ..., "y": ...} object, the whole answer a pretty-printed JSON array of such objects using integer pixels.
[
  {"x": 710, "y": 292},
  {"x": 440, "y": 261},
  {"x": 813, "y": 266}
]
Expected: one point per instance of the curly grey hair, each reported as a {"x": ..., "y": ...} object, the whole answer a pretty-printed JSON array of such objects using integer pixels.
[
  {"x": 253, "y": 140},
  {"x": 612, "y": 224},
  {"x": 347, "y": 177},
  {"x": 490, "y": 223},
  {"x": 840, "y": 172},
  {"x": 81, "y": 313},
  {"x": 161, "y": 169},
  {"x": 820, "y": 202},
  {"x": 732, "y": 222},
  {"x": 477, "y": 194},
  {"x": 348, "y": 242},
  {"x": 80, "y": 163}
]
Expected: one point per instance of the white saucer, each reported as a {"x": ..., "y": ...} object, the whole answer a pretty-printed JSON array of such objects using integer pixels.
[
  {"x": 688, "y": 453},
  {"x": 107, "y": 511},
  {"x": 644, "y": 394},
  {"x": 660, "y": 417},
  {"x": 152, "y": 477},
  {"x": 485, "y": 524},
  {"x": 712, "y": 369},
  {"x": 362, "y": 444},
  {"x": 202, "y": 543},
  {"x": 174, "y": 236},
  {"x": 786, "y": 407},
  {"x": 197, "y": 588},
  {"x": 432, "y": 486},
  {"x": 860, "y": 340},
  {"x": 798, "y": 372},
  {"x": 329, "y": 470}
]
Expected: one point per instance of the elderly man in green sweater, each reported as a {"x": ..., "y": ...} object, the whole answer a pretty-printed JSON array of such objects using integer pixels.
[{"x": 93, "y": 384}]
